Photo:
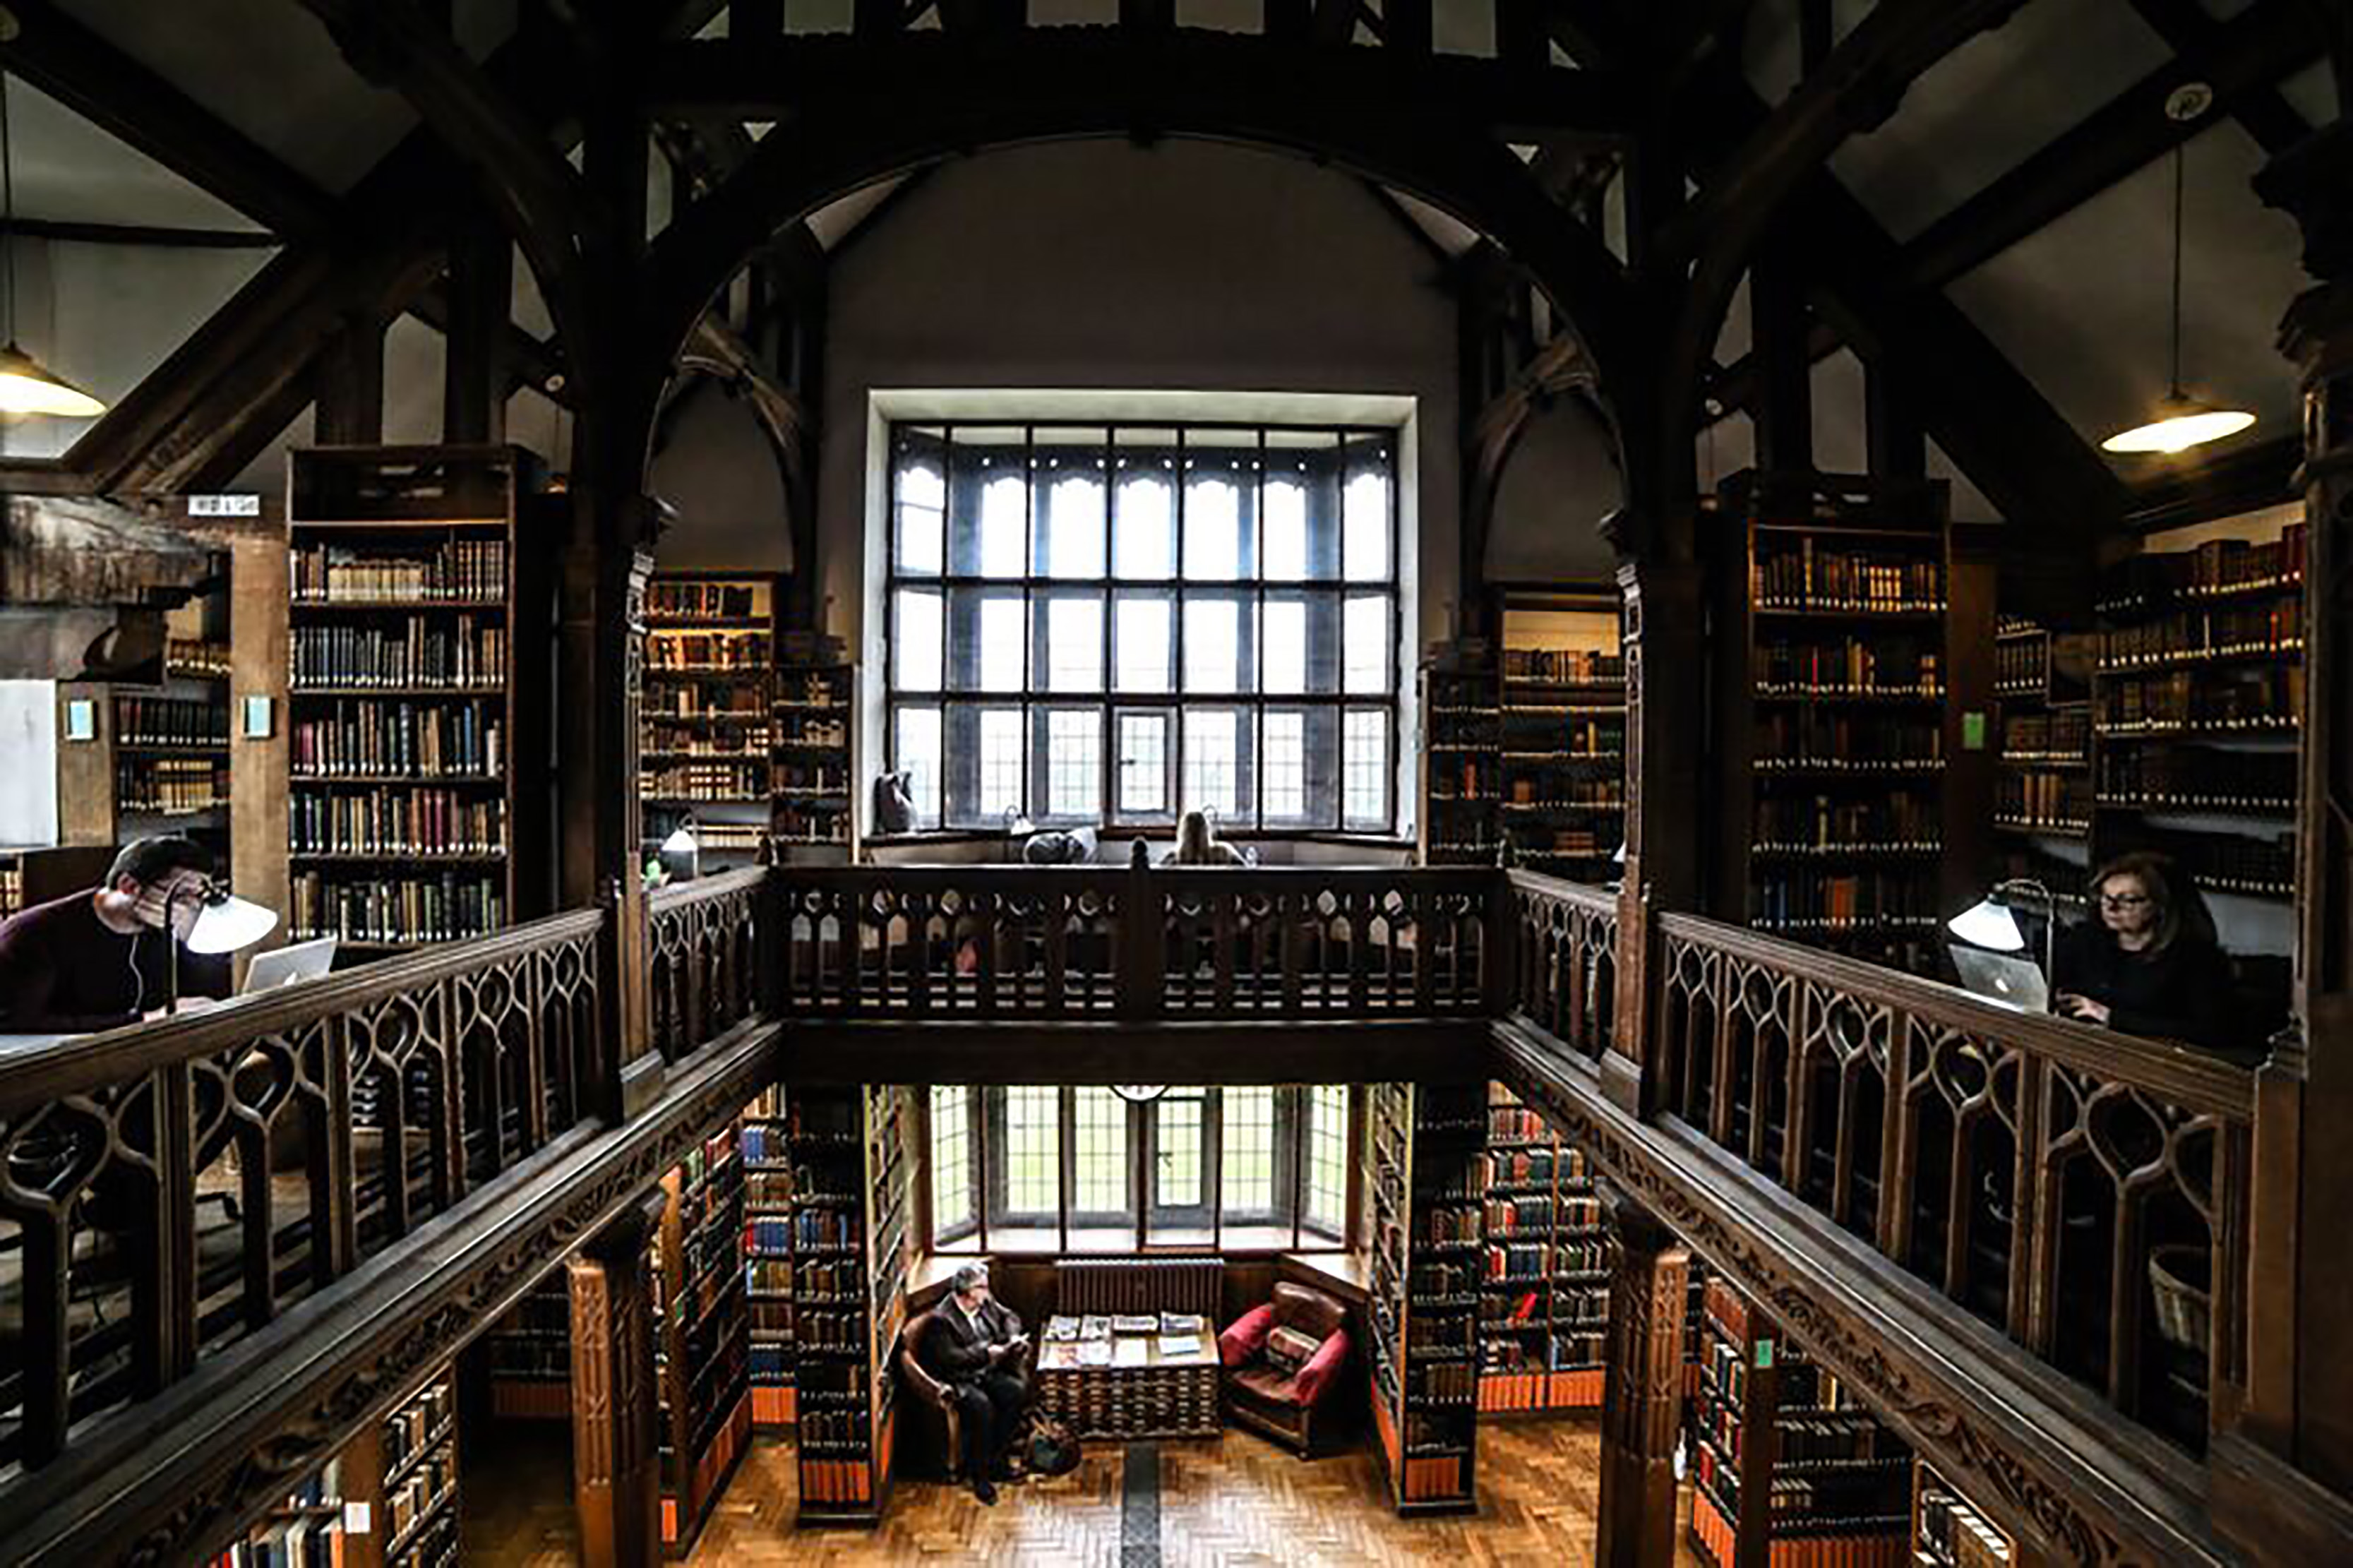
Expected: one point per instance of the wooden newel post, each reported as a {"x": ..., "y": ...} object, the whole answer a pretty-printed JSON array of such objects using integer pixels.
[
  {"x": 1643, "y": 1396},
  {"x": 1143, "y": 939},
  {"x": 616, "y": 1450}
]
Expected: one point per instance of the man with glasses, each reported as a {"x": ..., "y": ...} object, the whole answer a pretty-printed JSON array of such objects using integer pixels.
[
  {"x": 975, "y": 1345},
  {"x": 101, "y": 957}
]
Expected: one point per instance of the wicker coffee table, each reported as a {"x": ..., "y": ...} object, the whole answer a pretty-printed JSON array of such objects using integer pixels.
[{"x": 1155, "y": 1393}]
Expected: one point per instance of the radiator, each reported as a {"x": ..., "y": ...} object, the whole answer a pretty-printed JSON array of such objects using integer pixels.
[{"x": 1135, "y": 1285}]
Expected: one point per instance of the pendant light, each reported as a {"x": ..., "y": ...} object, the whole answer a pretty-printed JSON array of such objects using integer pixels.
[
  {"x": 27, "y": 385},
  {"x": 2181, "y": 421}
]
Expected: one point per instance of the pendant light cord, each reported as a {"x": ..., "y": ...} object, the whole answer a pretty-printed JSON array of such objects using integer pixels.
[
  {"x": 2178, "y": 152},
  {"x": 8, "y": 215}
]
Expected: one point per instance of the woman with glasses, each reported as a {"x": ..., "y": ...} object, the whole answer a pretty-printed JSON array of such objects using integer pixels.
[{"x": 2148, "y": 962}]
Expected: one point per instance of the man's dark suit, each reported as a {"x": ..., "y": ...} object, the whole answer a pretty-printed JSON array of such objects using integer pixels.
[{"x": 989, "y": 1390}]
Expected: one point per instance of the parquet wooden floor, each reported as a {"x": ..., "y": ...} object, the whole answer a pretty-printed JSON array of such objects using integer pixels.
[{"x": 1237, "y": 1502}]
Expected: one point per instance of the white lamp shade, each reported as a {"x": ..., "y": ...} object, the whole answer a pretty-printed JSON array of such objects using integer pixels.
[
  {"x": 682, "y": 842},
  {"x": 1988, "y": 924},
  {"x": 29, "y": 386},
  {"x": 2180, "y": 424},
  {"x": 229, "y": 924},
  {"x": 1620, "y": 857}
]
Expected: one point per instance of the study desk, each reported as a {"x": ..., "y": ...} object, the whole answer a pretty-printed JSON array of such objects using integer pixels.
[{"x": 1144, "y": 1392}]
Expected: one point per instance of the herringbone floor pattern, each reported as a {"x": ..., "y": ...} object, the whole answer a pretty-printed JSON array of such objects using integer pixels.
[{"x": 1237, "y": 1502}]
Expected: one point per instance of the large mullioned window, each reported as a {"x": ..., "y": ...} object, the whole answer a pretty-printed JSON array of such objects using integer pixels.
[
  {"x": 1081, "y": 1169},
  {"x": 1115, "y": 624}
]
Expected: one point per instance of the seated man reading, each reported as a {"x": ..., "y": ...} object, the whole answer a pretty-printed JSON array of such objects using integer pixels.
[
  {"x": 101, "y": 957},
  {"x": 975, "y": 1346}
]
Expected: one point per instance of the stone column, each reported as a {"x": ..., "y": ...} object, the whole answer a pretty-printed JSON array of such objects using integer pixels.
[
  {"x": 616, "y": 1451},
  {"x": 1642, "y": 1399}
]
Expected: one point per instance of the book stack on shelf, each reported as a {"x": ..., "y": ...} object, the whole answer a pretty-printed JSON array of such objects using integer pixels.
[
  {"x": 702, "y": 1339},
  {"x": 705, "y": 728},
  {"x": 768, "y": 1221},
  {"x": 1833, "y": 677},
  {"x": 2198, "y": 702},
  {"x": 1948, "y": 1531},
  {"x": 815, "y": 764},
  {"x": 1462, "y": 763},
  {"x": 849, "y": 1239},
  {"x": 419, "y": 1454},
  {"x": 305, "y": 1530},
  {"x": 1787, "y": 1467},
  {"x": 171, "y": 756},
  {"x": 530, "y": 1354},
  {"x": 2042, "y": 773},
  {"x": 12, "y": 885},
  {"x": 1427, "y": 1264},
  {"x": 1564, "y": 737},
  {"x": 1544, "y": 1307},
  {"x": 405, "y": 759}
]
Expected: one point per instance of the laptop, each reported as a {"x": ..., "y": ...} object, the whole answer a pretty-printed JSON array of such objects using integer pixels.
[
  {"x": 291, "y": 966},
  {"x": 2003, "y": 979}
]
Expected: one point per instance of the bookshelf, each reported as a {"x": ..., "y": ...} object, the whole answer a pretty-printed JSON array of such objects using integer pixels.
[
  {"x": 2198, "y": 698},
  {"x": 530, "y": 1354},
  {"x": 35, "y": 875},
  {"x": 1948, "y": 1531},
  {"x": 1562, "y": 696},
  {"x": 1462, "y": 762},
  {"x": 702, "y": 1346},
  {"x": 768, "y": 1218},
  {"x": 306, "y": 1528},
  {"x": 414, "y": 604},
  {"x": 705, "y": 719},
  {"x": 1848, "y": 649},
  {"x": 853, "y": 1177},
  {"x": 1789, "y": 1470},
  {"x": 814, "y": 817},
  {"x": 1428, "y": 1262},
  {"x": 2042, "y": 771},
  {"x": 1544, "y": 1305},
  {"x": 418, "y": 1449}
]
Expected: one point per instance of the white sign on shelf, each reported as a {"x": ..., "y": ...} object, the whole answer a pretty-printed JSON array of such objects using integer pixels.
[{"x": 236, "y": 505}]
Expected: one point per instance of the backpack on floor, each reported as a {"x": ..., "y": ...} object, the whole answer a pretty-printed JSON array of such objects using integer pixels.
[{"x": 1054, "y": 1449}]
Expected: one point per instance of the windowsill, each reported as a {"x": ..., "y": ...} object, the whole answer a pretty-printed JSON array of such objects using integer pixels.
[
  {"x": 1117, "y": 838},
  {"x": 1238, "y": 1241}
]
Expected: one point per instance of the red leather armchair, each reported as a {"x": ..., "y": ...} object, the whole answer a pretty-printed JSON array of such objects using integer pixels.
[{"x": 1269, "y": 1397}]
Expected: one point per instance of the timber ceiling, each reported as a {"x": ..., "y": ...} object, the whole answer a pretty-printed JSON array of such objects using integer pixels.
[{"x": 1957, "y": 178}]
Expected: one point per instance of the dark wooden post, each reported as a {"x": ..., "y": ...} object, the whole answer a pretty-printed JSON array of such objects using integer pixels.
[
  {"x": 616, "y": 1458},
  {"x": 1785, "y": 362},
  {"x": 1642, "y": 1394},
  {"x": 474, "y": 364},
  {"x": 351, "y": 384},
  {"x": 2301, "y": 1365}
]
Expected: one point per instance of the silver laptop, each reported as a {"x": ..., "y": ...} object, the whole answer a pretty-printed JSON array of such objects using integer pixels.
[
  {"x": 2002, "y": 978},
  {"x": 291, "y": 966}
]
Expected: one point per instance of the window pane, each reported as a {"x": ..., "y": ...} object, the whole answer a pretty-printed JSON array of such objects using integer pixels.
[
  {"x": 1365, "y": 528},
  {"x": 1099, "y": 1153},
  {"x": 1245, "y": 1153},
  {"x": 1364, "y": 643},
  {"x": 1000, "y": 761},
  {"x": 1073, "y": 633},
  {"x": 1282, "y": 650},
  {"x": 1177, "y": 1172},
  {"x": 988, "y": 502},
  {"x": 1073, "y": 519},
  {"x": 1033, "y": 1147},
  {"x": 1144, "y": 635},
  {"x": 1145, "y": 531},
  {"x": 1213, "y": 530},
  {"x": 1216, "y": 658},
  {"x": 1364, "y": 768},
  {"x": 1213, "y": 761},
  {"x": 917, "y": 751},
  {"x": 1283, "y": 528},
  {"x": 918, "y": 632},
  {"x": 1073, "y": 763},
  {"x": 1327, "y": 1159},
  {"x": 1283, "y": 773},
  {"x": 986, "y": 640},
  {"x": 950, "y": 1159},
  {"x": 922, "y": 518},
  {"x": 1004, "y": 527},
  {"x": 1143, "y": 758}
]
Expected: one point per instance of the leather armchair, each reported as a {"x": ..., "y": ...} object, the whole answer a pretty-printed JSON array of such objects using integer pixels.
[
  {"x": 1269, "y": 1398},
  {"x": 932, "y": 1437}
]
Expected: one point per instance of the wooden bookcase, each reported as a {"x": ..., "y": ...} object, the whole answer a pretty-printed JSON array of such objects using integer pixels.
[
  {"x": 1461, "y": 765},
  {"x": 1543, "y": 1308},
  {"x": 851, "y": 1232},
  {"x": 1789, "y": 1470},
  {"x": 417, "y": 775},
  {"x": 2042, "y": 771},
  {"x": 307, "y": 1525},
  {"x": 1562, "y": 696},
  {"x": 705, "y": 720},
  {"x": 768, "y": 1219},
  {"x": 1853, "y": 652},
  {"x": 1428, "y": 1261},
  {"x": 701, "y": 1343},
  {"x": 1948, "y": 1531},
  {"x": 529, "y": 1355},
  {"x": 816, "y": 814},
  {"x": 36, "y": 875}
]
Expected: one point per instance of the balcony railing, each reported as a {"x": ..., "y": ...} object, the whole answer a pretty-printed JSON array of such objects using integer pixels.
[
  {"x": 1566, "y": 981},
  {"x": 1074, "y": 944},
  {"x": 703, "y": 948}
]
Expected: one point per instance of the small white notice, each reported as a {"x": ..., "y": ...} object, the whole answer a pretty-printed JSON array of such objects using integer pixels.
[
  {"x": 235, "y": 505},
  {"x": 356, "y": 1518}
]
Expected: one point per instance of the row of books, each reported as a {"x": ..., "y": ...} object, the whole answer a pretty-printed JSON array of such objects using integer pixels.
[
  {"x": 1814, "y": 902},
  {"x": 1907, "y": 665},
  {"x": 1956, "y": 1533},
  {"x": 420, "y": 1423},
  {"x": 831, "y": 1331},
  {"x": 807, "y": 1227},
  {"x": 470, "y": 655},
  {"x": 1443, "y": 1226},
  {"x": 2042, "y": 800},
  {"x": 2197, "y": 778},
  {"x": 730, "y": 740},
  {"x": 2217, "y": 567},
  {"x": 1516, "y": 1124},
  {"x": 1441, "y": 1333},
  {"x": 2263, "y": 867},
  {"x": 703, "y": 781},
  {"x": 2274, "y": 626},
  {"x": 1586, "y": 792},
  {"x": 1506, "y": 1217},
  {"x": 424, "y": 822},
  {"x": 1846, "y": 742},
  {"x": 1564, "y": 665},
  {"x": 669, "y": 599},
  {"x": 1447, "y": 1383},
  {"x": 707, "y": 651},
  {"x": 1814, "y": 577},
  {"x": 1571, "y": 735},
  {"x": 414, "y": 739},
  {"x": 819, "y": 1279},
  {"x": 1896, "y": 816},
  {"x": 1542, "y": 1259},
  {"x": 413, "y": 908},
  {"x": 2234, "y": 699},
  {"x": 833, "y": 1425},
  {"x": 1536, "y": 1166},
  {"x": 170, "y": 785},
  {"x": 2063, "y": 733},
  {"x": 2021, "y": 665},
  {"x": 461, "y": 569},
  {"x": 704, "y": 699},
  {"x": 197, "y": 658},
  {"x": 169, "y": 722}
]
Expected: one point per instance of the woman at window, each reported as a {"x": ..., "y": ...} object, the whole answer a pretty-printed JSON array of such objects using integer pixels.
[
  {"x": 2147, "y": 962},
  {"x": 1197, "y": 844}
]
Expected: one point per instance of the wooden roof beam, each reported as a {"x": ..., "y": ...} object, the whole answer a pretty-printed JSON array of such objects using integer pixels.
[{"x": 2194, "y": 36}]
